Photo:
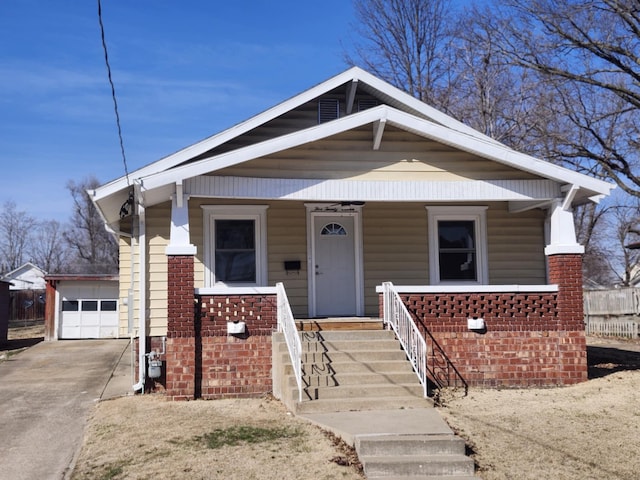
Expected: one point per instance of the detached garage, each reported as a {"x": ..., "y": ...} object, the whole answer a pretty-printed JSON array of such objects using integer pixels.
[{"x": 81, "y": 306}]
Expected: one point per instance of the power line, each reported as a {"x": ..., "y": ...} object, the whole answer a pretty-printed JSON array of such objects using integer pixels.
[{"x": 113, "y": 92}]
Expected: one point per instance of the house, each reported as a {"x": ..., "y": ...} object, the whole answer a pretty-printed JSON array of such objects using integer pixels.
[
  {"x": 81, "y": 306},
  {"x": 331, "y": 193},
  {"x": 26, "y": 277}
]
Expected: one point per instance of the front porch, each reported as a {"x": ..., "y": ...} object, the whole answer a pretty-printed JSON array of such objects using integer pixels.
[{"x": 532, "y": 335}]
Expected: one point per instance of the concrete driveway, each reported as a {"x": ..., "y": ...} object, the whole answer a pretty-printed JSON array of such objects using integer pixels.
[{"x": 46, "y": 395}]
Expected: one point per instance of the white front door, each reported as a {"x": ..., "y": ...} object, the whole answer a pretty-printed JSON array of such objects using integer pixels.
[{"x": 334, "y": 265}]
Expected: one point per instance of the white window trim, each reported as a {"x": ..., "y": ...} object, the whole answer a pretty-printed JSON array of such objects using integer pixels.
[
  {"x": 235, "y": 212},
  {"x": 477, "y": 214}
]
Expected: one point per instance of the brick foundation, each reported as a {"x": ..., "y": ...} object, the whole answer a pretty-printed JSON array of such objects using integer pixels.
[
  {"x": 530, "y": 338},
  {"x": 202, "y": 360}
]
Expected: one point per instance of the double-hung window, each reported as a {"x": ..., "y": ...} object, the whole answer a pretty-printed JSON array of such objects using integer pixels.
[
  {"x": 235, "y": 245},
  {"x": 457, "y": 245}
]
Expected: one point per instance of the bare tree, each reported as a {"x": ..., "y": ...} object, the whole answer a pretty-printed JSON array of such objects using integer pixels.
[
  {"x": 489, "y": 94},
  {"x": 589, "y": 52},
  {"x": 49, "y": 251},
  {"x": 405, "y": 42},
  {"x": 15, "y": 235},
  {"x": 95, "y": 249}
]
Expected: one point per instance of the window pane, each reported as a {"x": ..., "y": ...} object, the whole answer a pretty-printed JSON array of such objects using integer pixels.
[
  {"x": 333, "y": 229},
  {"x": 235, "y": 234},
  {"x": 457, "y": 250},
  {"x": 108, "y": 305},
  {"x": 235, "y": 266},
  {"x": 89, "y": 305},
  {"x": 69, "y": 305},
  {"x": 235, "y": 256}
]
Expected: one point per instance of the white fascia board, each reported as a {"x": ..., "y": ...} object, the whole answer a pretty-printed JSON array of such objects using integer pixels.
[
  {"x": 267, "y": 147},
  {"x": 497, "y": 152},
  {"x": 354, "y": 76},
  {"x": 425, "y": 128},
  {"x": 213, "y": 141},
  {"x": 418, "y": 105}
]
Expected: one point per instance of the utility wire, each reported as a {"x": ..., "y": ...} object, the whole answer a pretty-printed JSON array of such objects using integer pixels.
[{"x": 113, "y": 93}]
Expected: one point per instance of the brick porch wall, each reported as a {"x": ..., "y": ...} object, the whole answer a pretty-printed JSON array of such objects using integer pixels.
[
  {"x": 530, "y": 338},
  {"x": 202, "y": 360}
]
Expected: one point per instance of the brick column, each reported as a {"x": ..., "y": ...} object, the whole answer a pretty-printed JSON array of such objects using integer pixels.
[
  {"x": 181, "y": 328},
  {"x": 565, "y": 270}
]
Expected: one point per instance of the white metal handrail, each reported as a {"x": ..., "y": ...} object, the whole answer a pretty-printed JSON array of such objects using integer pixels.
[
  {"x": 398, "y": 318},
  {"x": 287, "y": 325}
]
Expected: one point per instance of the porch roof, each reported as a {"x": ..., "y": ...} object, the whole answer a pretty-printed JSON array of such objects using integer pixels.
[{"x": 160, "y": 180}]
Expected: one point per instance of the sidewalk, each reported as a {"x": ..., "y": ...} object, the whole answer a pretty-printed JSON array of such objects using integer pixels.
[{"x": 349, "y": 425}]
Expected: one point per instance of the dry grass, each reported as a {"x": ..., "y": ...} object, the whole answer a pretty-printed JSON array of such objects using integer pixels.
[
  {"x": 585, "y": 431},
  {"x": 148, "y": 437}
]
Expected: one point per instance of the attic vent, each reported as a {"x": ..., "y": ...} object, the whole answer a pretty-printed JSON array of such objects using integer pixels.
[
  {"x": 328, "y": 109},
  {"x": 365, "y": 104}
]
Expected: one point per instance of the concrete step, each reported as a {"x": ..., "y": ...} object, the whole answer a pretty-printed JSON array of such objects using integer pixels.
[
  {"x": 386, "y": 366},
  {"x": 340, "y": 378},
  {"x": 362, "y": 356},
  {"x": 410, "y": 445},
  {"x": 412, "y": 465},
  {"x": 344, "y": 345},
  {"x": 361, "y": 404},
  {"x": 426, "y": 477},
  {"x": 348, "y": 335},
  {"x": 360, "y": 391}
]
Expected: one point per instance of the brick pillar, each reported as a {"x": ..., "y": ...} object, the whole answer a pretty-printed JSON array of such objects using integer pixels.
[
  {"x": 181, "y": 328},
  {"x": 565, "y": 270}
]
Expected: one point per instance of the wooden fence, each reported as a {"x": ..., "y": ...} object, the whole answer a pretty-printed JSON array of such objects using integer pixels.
[
  {"x": 614, "y": 312},
  {"x": 26, "y": 306}
]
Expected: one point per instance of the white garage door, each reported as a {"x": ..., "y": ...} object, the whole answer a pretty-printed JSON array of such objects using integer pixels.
[{"x": 88, "y": 311}]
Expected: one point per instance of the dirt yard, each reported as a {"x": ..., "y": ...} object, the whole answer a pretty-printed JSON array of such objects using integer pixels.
[{"x": 586, "y": 431}]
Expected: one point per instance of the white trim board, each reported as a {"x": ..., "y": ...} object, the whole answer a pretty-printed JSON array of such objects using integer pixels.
[
  {"x": 330, "y": 190},
  {"x": 471, "y": 288}
]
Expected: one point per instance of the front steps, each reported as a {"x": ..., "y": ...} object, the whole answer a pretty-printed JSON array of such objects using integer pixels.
[
  {"x": 347, "y": 370},
  {"x": 355, "y": 366},
  {"x": 415, "y": 457}
]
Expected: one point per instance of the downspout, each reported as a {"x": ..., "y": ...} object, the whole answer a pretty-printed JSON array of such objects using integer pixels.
[{"x": 142, "y": 283}]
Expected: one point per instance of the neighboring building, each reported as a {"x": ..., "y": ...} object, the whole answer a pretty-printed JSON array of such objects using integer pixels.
[
  {"x": 26, "y": 277},
  {"x": 4, "y": 310},
  {"x": 345, "y": 186},
  {"x": 81, "y": 307}
]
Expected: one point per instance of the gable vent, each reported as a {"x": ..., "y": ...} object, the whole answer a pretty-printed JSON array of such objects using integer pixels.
[
  {"x": 365, "y": 104},
  {"x": 328, "y": 109}
]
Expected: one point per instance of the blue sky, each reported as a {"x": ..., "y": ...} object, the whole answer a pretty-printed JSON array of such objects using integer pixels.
[{"x": 182, "y": 71}]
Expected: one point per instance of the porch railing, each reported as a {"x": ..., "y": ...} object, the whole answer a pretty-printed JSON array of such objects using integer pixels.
[
  {"x": 397, "y": 317},
  {"x": 287, "y": 325}
]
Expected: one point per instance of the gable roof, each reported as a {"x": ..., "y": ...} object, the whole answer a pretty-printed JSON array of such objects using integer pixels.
[
  {"x": 398, "y": 109},
  {"x": 24, "y": 268}
]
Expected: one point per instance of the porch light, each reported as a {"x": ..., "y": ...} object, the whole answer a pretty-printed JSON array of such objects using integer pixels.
[{"x": 476, "y": 324}]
